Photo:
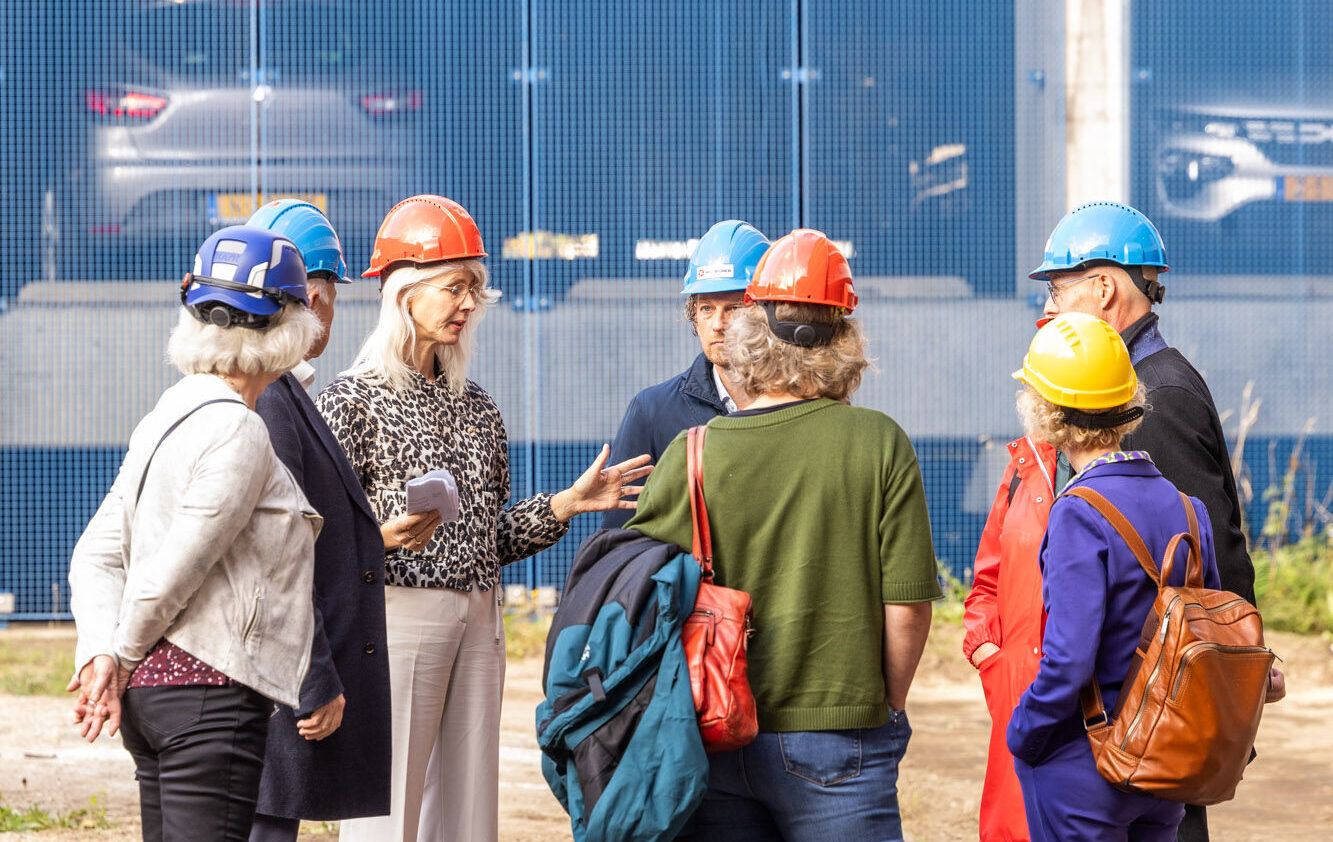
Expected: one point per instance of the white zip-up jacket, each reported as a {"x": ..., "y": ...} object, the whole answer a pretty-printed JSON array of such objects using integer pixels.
[{"x": 217, "y": 557}]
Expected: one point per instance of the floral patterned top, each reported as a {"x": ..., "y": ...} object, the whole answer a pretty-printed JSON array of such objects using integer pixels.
[
  {"x": 392, "y": 436},
  {"x": 168, "y": 665}
]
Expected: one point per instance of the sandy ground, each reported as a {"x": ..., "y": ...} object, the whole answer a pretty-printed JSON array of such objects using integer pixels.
[{"x": 1288, "y": 793}]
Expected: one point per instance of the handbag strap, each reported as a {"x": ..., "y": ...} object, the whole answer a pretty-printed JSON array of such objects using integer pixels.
[
  {"x": 694, "y": 469},
  {"x": 143, "y": 479}
]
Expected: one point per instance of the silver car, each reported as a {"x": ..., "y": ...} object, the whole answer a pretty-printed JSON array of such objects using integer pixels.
[{"x": 200, "y": 110}]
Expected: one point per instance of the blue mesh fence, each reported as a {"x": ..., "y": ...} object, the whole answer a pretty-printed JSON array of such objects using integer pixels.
[{"x": 593, "y": 142}]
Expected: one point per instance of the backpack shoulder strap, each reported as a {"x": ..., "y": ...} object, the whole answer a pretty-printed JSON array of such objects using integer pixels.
[
  {"x": 143, "y": 479},
  {"x": 1194, "y": 572},
  {"x": 1128, "y": 533},
  {"x": 694, "y": 469}
]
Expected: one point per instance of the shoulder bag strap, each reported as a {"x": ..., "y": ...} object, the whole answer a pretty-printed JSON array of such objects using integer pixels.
[
  {"x": 1128, "y": 533},
  {"x": 703, "y": 542},
  {"x": 143, "y": 479}
]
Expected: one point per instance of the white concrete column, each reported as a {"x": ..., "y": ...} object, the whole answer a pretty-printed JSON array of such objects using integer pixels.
[{"x": 1097, "y": 100}]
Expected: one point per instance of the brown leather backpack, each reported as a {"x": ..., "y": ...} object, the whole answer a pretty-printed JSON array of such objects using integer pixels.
[{"x": 1185, "y": 721}]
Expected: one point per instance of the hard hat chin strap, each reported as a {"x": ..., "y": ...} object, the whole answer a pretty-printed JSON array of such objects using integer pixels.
[{"x": 804, "y": 334}]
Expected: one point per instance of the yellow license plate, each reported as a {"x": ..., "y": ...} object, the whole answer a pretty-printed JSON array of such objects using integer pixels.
[
  {"x": 1307, "y": 188},
  {"x": 236, "y": 208}
]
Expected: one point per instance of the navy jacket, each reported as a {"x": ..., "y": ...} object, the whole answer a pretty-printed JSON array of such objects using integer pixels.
[
  {"x": 658, "y": 414},
  {"x": 1097, "y": 597},
  {"x": 1182, "y": 433},
  {"x": 345, "y": 775}
]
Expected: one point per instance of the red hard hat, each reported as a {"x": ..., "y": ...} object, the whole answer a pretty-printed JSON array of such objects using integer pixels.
[
  {"x": 424, "y": 229},
  {"x": 803, "y": 267}
]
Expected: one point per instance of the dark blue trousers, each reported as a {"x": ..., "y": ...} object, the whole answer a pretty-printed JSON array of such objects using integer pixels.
[{"x": 1067, "y": 799}]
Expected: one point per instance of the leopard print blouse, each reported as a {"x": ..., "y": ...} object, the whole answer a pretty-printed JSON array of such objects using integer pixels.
[{"x": 393, "y": 436}]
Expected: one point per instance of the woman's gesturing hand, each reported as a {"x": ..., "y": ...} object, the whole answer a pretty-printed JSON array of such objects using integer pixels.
[
  {"x": 411, "y": 532},
  {"x": 602, "y": 488}
]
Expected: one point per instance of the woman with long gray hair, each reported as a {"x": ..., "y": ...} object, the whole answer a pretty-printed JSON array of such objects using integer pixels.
[
  {"x": 191, "y": 586},
  {"x": 404, "y": 408}
]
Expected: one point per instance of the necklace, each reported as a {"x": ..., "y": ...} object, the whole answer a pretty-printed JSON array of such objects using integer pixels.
[{"x": 232, "y": 383}]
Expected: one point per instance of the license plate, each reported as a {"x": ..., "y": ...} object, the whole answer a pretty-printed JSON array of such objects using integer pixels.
[
  {"x": 1307, "y": 188},
  {"x": 236, "y": 208}
]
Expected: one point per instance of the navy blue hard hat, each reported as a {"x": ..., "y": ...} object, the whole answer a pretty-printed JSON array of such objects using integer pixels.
[{"x": 250, "y": 271}]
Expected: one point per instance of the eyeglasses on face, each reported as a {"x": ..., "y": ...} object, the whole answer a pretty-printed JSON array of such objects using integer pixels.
[
  {"x": 456, "y": 291},
  {"x": 1054, "y": 288}
]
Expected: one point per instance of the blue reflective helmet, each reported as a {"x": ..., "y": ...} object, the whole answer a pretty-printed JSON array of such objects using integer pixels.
[
  {"x": 1101, "y": 231},
  {"x": 308, "y": 227},
  {"x": 242, "y": 276},
  {"x": 725, "y": 258}
]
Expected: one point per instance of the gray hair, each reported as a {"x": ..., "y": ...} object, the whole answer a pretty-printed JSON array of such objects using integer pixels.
[
  {"x": 765, "y": 365},
  {"x": 1044, "y": 420},
  {"x": 198, "y": 348},
  {"x": 383, "y": 357}
]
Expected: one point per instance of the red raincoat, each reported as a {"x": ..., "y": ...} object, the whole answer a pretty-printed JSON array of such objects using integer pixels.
[{"x": 1004, "y": 608}]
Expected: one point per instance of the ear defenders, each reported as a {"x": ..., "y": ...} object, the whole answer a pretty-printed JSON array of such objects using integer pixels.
[{"x": 802, "y": 334}]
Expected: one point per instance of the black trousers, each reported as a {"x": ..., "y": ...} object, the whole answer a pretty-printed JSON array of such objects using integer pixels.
[
  {"x": 198, "y": 755},
  {"x": 1194, "y": 827},
  {"x": 274, "y": 829}
]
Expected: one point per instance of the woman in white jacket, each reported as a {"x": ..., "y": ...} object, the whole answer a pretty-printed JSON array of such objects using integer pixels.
[{"x": 191, "y": 586}]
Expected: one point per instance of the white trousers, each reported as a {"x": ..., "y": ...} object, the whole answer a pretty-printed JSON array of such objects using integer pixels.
[{"x": 446, "y": 674}]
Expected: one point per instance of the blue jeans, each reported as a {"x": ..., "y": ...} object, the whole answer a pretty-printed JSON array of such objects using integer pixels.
[{"x": 807, "y": 786}]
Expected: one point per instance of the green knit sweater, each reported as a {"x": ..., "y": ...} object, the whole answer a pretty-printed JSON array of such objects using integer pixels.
[{"x": 817, "y": 511}]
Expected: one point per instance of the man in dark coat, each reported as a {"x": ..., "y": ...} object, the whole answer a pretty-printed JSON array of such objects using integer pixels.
[
  {"x": 329, "y": 758},
  {"x": 715, "y": 282},
  {"x": 1104, "y": 259}
]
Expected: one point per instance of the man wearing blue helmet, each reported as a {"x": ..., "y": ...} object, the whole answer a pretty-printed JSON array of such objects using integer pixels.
[
  {"x": 715, "y": 282},
  {"x": 309, "y": 773},
  {"x": 1104, "y": 259}
]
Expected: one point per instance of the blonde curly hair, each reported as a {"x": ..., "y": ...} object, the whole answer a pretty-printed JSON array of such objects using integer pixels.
[
  {"x": 1044, "y": 420},
  {"x": 764, "y": 364}
]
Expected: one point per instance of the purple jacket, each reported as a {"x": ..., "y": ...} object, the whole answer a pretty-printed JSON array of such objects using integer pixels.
[{"x": 1097, "y": 597}]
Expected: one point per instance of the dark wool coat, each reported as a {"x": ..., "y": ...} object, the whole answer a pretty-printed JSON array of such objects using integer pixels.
[
  {"x": 345, "y": 775},
  {"x": 658, "y": 414}
]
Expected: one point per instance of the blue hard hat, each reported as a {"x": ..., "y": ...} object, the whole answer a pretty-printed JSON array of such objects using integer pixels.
[
  {"x": 308, "y": 227},
  {"x": 254, "y": 272},
  {"x": 1101, "y": 231},
  {"x": 725, "y": 259}
]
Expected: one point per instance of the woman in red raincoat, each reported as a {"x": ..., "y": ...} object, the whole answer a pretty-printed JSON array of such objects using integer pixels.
[{"x": 1004, "y": 620}]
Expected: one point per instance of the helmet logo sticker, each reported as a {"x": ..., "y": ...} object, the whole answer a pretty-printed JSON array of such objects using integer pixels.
[{"x": 720, "y": 270}]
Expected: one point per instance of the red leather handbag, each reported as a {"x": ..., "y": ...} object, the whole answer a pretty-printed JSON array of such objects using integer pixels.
[{"x": 717, "y": 633}]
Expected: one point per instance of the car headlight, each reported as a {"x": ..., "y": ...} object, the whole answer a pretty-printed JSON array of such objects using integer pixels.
[{"x": 1184, "y": 173}]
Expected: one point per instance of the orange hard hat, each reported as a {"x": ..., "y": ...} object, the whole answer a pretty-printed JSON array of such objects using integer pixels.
[
  {"x": 804, "y": 267},
  {"x": 424, "y": 229}
]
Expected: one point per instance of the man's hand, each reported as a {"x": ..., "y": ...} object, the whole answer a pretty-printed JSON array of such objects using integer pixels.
[
  {"x": 324, "y": 721},
  {"x": 1277, "y": 686},
  {"x": 100, "y": 685}
]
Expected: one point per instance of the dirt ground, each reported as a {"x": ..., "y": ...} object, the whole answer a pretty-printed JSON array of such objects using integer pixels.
[{"x": 1288, "y": 793}]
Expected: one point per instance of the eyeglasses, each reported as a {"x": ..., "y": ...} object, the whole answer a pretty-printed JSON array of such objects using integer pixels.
[
  {"x": 1054, "y": 288},
  {"x": 457, "y": 291}
]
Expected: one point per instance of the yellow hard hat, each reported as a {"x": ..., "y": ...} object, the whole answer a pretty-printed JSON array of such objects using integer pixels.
[{"x": 1079, "y": 361}]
